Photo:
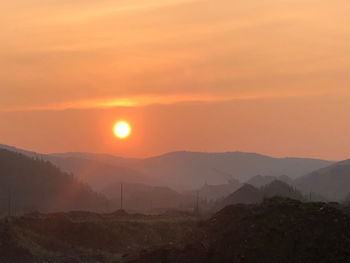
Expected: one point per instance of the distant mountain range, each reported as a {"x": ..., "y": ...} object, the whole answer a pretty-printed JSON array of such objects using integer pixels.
[
  {"x": 192, "y": 169},
  {"x": 175, "y": 180},
  {"x": 180, "y": 170}
]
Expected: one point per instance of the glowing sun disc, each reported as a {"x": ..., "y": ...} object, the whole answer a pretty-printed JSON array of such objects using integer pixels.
[{"x": 122, "y": 129}]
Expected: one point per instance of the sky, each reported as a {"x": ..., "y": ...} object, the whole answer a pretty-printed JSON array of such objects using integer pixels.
[{"x": 268, "y": 76}]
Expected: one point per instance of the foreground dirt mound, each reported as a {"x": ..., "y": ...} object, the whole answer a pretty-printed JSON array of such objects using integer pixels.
[
  {"x": 83, "y": 237},
  {"x": 278, "y": 230},
  {"x": 10, "y": 249}
]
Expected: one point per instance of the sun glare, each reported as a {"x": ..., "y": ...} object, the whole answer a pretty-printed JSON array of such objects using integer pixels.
[{"x": 122, "y": 129}]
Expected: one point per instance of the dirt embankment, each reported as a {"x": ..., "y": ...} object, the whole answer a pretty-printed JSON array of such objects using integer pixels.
[
  {"x": 78, "y": 237},
  {"x": 278, "y": 230}
]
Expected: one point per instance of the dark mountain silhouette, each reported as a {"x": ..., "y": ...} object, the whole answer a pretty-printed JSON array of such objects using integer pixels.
[
  {"x": 249, "y": 194},
  {"x": 24, "y": 152},
  {"x": 278, "y": 230},
  {"x": 262, "y": 180},
  {"x": 94, "y": 171},
  {"x": 332, "y": 182},
  {"x": 35, "y": 184},
  {"x": 281, "y": 189}
]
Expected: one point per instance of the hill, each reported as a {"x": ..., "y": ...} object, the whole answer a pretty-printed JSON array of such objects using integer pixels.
[
  {"x": 249, "y": 194},
  {"x": 93, "y": 169},
  {"x": 278, "y": 230},
  {"x": 331, "y": 182},
  {"x": 34, "y": 184},
  {"x": 98, "y": 174},
  {"x": 281, "y": 189}
]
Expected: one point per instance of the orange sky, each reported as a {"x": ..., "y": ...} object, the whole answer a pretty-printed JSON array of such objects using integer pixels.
[{"x": 265, "y": 76}]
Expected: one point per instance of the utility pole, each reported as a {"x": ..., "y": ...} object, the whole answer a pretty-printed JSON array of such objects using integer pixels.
[
  {"x": 196, "y": 209},
  {"x": 9, "y": 204},
  {"x": 121, "y": 196}
]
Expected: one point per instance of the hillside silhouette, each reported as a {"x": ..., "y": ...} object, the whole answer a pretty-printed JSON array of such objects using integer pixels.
[
  {"x": 281, "y": 189},
  {"x": 248, "y": 194},
  {"x": 28, "y": 184},
  {"x": 331, "y": 182},
  {"x": 97, "y": 172}
]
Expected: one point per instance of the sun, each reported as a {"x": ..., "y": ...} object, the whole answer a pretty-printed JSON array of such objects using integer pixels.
[{"x": 122, "y": 129}]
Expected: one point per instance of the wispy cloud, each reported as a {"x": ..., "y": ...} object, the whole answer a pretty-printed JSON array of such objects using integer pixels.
[
  {"x": 147, "y": 100},
  {"x": 87, "y": 54}
]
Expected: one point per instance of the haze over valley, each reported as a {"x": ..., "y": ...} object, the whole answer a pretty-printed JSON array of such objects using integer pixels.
[
  {"x": 176, "y": 180},
  {"x": 174, "y": 131}
]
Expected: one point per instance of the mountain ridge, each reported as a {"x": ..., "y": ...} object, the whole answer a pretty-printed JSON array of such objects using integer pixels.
[
  {"x": 331, "y": 182},
  {"x": 187, "y": 170}
]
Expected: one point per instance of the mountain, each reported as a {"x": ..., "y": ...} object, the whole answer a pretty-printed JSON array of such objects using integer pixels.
[
  {"x": 247, "y": 194},
  {"x": 89, "y": 168},
  {"x": 332, "y": 182},
  {"x": 262, "y": 180},
  {"x": 278, "y": 230},
  {"x": 24, "y": 152},
  {"x": 181, "y": 170},
  {"x": 192, "y": 169},
  {"x": 101, "y": 157},
  {"x": 281, "y": 189},
  {"x": 28, "y": 184},
  {"x": 96, "y": 173}
]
